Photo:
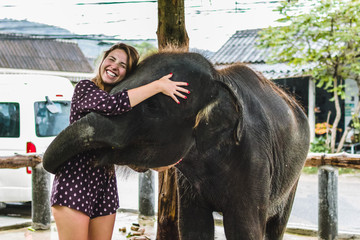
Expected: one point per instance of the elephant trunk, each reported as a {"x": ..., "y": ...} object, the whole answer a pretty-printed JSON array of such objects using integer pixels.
[{"x": 81, "y": 136}]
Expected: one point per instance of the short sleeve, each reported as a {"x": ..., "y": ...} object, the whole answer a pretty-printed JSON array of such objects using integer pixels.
[{"x": 88, "y": 97}]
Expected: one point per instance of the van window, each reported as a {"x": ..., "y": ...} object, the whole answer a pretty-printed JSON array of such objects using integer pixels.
[
  {"x": 9, "y": 119},
  {"x": 49, "y": 122}
]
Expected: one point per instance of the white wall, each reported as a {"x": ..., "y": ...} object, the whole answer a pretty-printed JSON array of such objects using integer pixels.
[{"x": 351, "y": 100}]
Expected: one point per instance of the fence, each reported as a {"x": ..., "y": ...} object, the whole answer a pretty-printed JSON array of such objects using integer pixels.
[
  {"x": 40, "y": 211},
  {"x": 343, "y": 160},
  {"x": 328, "y": 205},
  {"x": 327, "y": 227}
]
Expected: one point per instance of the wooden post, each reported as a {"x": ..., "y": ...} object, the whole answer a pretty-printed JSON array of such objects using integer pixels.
[
  {"x": 147, "y": 193},
  {"x": 328, "y": 207},
  {"x": 41, "y": 210}
]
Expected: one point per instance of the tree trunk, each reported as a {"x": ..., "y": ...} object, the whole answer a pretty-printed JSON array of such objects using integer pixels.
[
  {"x": 168, "y": 212},
  {"x": 171, "y": 26},
  {"x": 337, "y": 116},
  {"x": 171, "y": 32}
]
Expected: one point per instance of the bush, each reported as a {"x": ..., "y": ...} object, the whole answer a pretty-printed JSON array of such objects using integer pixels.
[{"x": 319, "y": 145}]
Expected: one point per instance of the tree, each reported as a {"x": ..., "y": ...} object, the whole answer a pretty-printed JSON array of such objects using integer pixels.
[
  {"x": 171, "y": 32},
  {"x": 322, "y": 36}
]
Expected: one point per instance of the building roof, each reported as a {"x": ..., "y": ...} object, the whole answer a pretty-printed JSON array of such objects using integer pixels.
[
  {"x": 241, "y": 47},
  {"x": 36, "y": 53}
]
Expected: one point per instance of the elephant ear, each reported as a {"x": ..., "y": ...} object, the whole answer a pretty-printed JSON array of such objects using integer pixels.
[
  {"x": 223, "y": 114},
  {"x": 238, "y": 105},
  {"x": 232, "y": 88}
]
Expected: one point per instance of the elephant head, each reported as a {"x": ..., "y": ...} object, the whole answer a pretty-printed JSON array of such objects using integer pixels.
[{"x": 155, "y": 133}]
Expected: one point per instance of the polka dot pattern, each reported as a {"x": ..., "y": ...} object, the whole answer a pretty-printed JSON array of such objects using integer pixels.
[
  {"x": 89, "y": 98},
  {"x": 79, "y": 184},
  {"x": 82, "y": 186}
]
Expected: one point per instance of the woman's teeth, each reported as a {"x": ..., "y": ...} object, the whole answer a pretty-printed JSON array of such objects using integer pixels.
[{"x": 111, "y": 73}]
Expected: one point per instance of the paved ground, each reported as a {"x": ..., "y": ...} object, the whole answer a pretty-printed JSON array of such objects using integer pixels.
[
  {"x": 305, "y": 209},
  {"x": 124, "y": 219},
  {"x": 304, "y": 214}
]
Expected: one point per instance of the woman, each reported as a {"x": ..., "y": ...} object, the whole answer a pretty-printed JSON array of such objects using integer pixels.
[{"x": 84, "y": 196}]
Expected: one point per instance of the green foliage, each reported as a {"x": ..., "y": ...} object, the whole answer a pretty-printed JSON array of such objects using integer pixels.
[
  {"x": 319, "y": 145},
  {"x": 320, "y": 38},
  {"x": 310, "y": 170},
  {"x": 314, "y": 170},
  {"x": 322, "y": 35},
  {"x": 355, "y": 122},
  {"x": 348, "y": 171}
]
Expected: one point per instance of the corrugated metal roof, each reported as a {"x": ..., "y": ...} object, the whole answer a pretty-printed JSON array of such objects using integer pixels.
[
  {"x": 240, "y": 48},
  {"x": 26, "y": 52},
  {"x": 279, "y": 70}
]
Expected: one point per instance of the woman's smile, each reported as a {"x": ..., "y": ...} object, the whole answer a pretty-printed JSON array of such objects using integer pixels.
[{"x": 111, "y": 73}]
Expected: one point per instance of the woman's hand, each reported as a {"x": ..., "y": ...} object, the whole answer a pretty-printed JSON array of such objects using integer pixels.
[
  {"x": 172, "y": 88},
  {"x": 163, "y": 85}
]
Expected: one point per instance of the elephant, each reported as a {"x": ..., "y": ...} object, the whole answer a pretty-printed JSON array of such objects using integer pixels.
[{"x": 242, "y": 142}]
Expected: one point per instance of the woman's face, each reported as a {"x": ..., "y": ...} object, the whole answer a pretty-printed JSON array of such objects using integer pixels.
[{"x": 113, "y": 68}]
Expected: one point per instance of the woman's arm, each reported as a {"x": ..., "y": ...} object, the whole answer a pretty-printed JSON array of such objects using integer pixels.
[{"x": 163, "y": 85}]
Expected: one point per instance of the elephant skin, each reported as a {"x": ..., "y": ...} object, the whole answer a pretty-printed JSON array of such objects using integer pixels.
[{"x": 242, "y": 141}]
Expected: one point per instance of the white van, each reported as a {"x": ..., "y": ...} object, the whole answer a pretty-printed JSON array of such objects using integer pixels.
[{"x": 33, "y": 110}]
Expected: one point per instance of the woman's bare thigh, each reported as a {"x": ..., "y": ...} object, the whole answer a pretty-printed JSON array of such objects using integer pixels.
[
  {"x": 70, "y": 223},
  {"x": 101, "y": 228}
]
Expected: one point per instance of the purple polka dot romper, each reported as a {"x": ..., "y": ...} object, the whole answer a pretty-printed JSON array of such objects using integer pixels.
[{"x": 79, "y": 184}]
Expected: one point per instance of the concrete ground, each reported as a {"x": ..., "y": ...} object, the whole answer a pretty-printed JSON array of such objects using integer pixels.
[{"x": 124, "y": 219}]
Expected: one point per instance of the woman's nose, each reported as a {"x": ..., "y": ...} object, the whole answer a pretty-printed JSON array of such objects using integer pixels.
[{"x": 114, "y": 66}]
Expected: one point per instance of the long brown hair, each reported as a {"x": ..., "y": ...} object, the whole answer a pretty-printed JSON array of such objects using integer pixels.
[{"x": 132, "y": 61}]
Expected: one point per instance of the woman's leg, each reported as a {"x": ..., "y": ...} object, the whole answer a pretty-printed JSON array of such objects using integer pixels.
[
  {"x": 101, "y": 228},
  {"x": 70, "y": 223}
]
